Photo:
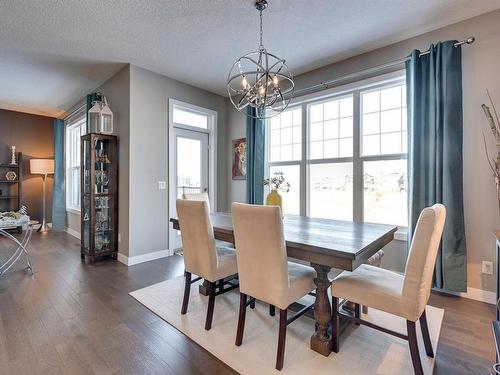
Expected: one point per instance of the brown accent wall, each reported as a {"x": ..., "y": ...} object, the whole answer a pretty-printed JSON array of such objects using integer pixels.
[{"x": 32, "y": 135}]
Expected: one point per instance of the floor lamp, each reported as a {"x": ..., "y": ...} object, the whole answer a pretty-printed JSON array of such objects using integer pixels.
[{"x": 43, "y": 167}]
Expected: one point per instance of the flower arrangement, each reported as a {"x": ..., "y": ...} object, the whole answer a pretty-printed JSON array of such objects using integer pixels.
[
  {"x": 494, "y": 123},
  {"x": 278, "y": 182}
]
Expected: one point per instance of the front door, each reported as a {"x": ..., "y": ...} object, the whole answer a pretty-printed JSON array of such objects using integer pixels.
[{"x": 189, "y": 171}]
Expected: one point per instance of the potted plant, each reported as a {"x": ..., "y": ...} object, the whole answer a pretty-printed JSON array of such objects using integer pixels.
[{"x": 277, "y": 183}]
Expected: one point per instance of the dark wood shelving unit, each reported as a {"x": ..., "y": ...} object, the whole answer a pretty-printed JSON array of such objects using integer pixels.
[
  {"x": 99, "y": 205},
  {"x": 11, "y": 197}
]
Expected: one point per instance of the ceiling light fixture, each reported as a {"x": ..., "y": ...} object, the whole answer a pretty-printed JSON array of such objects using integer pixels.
[{"x": 260, "y": 80}]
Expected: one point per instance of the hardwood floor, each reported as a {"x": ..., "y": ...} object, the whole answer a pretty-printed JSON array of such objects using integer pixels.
[{"x": 75, "y": 318}]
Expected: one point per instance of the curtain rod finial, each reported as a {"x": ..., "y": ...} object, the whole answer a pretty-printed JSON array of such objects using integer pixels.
[{"x": 470, "y": 40}]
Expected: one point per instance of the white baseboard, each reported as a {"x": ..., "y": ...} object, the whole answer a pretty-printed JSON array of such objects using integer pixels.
[
  {"x": 130, "y": 261},
  {"x": 72, "y": 232},
  {"x": 475, "y": 294}
]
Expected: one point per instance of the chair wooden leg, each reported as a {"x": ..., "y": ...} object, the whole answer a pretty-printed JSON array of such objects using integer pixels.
[
  {"x": 187, "y": 289},
  {"x": 241, "y": 319},
  {"x": 357, "y": 311},
  {"x": 335, "y": 324},
  {"x": 413, "y": 343},
  {"x": 211, "y": 303},
  {"x": 425, "y": 335},
  {"x": 252, "y": 303},
  {"x": 281, "y": 341},
  {"x": 272, "y": 310}
]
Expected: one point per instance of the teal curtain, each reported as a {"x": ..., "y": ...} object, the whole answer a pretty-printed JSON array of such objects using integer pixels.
[
  {"x": 434, "y": 91},
  {"x": 255, "y": 158},
  {"x": 58, "y": 196}
]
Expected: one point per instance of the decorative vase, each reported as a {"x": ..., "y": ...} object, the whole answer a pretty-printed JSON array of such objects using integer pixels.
[{"x": 274, "y": 199}]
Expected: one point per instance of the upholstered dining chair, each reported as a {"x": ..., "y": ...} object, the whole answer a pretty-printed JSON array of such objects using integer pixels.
[
  {"x": 263, "y": 268},
  {"x": 197, "y": 197},
  {"x": 201, "y": 255},
  {"x": 204, "y": 197},
  {"x": 403, "y": 295}
]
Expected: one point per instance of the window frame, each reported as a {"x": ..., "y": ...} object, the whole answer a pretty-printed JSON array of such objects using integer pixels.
[
  {"x": 355, "y": 89},
  {"x": 71, "y": 156}
]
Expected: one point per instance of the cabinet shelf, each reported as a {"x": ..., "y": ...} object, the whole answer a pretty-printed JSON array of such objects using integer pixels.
[
  {"x": 99, "y": 242},
  {"x": 13, "y": 166},
  {"x": 9, "y": 196}
]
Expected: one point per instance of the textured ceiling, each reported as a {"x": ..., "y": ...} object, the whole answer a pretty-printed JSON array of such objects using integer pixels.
[{"x": 52, "y": 52}]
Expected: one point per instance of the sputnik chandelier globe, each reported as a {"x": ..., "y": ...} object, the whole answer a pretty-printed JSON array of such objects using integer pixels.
[{"x": 260, "y": 80}]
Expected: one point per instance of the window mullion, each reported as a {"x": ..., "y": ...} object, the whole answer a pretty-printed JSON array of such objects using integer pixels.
[
  {"x": 304, "y": 175},
  {"x": 357, "y": 189}
]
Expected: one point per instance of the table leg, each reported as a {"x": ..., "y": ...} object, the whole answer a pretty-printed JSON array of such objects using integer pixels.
[
  {"x": 203, "y": 288},
  {"x": 21, "y": 250},
  {"x": 321, "y": 340}
]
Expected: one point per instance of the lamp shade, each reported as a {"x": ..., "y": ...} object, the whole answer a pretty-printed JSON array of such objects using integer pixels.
[{"x": 42, "y": 166}]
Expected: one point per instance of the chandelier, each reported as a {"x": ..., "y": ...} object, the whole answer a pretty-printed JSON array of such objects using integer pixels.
[{"x": 260, "y": 80}]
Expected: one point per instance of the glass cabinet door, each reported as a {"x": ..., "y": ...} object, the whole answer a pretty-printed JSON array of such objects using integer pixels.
[
  {"x": 99, "y": 196},
  {"x": 103, "y": 171},
  {"x": 104, "y": 181}
]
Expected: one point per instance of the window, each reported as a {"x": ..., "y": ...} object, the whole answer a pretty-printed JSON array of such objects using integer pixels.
[
  {"x": 285, "y": 154},
  {"x": 383, "y": 121},
  {"x": 286, "y": 136},
  {"x": 189, "y": 117},
  {"x": 330, "y": 129},
  {"x": 345, "y": 155},
  {"x": 74, "y": 129}
]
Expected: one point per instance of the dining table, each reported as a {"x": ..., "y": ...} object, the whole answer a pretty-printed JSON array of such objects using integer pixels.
[{"x": 324, "y": 244}]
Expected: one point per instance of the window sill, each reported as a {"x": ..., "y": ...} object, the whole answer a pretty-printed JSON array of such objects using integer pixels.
[
  {"x": 73, "y": 211},
  {"x": 401, "y": 235}
]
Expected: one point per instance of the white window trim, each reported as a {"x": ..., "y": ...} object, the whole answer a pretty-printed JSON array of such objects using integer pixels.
[
  {"x": 354, "y": 88},
  {"x": 68, "y": 127}
]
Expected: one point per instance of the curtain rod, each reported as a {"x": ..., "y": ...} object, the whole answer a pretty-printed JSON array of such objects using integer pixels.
[{"x": 391, "y": 64}]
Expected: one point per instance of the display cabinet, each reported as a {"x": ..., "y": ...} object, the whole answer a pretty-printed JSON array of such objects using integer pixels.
[
  {"x": 99, "y": 196},
  {"x": 11, "y": 183}
]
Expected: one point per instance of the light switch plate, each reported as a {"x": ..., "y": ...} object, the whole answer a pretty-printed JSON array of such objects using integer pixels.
[
  {"x": 162, "y": 185},
  {"x": 487, "y": 267}
]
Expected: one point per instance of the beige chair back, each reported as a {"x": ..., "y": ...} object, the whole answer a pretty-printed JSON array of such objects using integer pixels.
[
  {"x": 198, "y": 243},
  {"x": 197, "y": 197},
  {"x": 422, "y": 257},
  {"x": 260, "y": 251}
]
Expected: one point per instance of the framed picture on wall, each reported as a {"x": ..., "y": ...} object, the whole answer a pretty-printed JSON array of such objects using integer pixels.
[{"x": 239, "y": 159}]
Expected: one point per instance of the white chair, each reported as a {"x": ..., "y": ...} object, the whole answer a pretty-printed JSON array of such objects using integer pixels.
[
  {"x": 403, "y": 295},
  {"x": 197, "y": 197},
  {"x": 264, "y": 271},
  {"x": 201, "y": 255}
]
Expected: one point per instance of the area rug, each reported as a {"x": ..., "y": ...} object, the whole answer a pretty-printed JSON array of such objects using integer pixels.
[{"x": 362, "y": 350}]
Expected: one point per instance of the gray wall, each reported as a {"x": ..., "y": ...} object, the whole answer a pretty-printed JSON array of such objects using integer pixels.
[
  {"x": 32, "y": 135},
  {"x": 117, "y": 91},
  {"x": 149, "y": 94},
  {"x": 480, "y": 71},
  {"x": 236, "y": 189},
  {"x": 139, "y": 101}
]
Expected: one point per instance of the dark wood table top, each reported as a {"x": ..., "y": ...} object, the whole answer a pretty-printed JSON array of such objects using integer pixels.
[{"x": 334, "y": 243}]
